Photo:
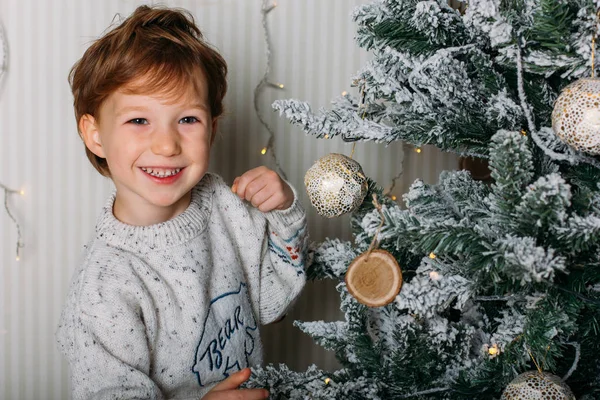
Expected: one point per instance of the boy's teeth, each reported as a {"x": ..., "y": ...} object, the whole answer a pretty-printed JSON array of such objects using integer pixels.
[{"x": 161, "y": 173}]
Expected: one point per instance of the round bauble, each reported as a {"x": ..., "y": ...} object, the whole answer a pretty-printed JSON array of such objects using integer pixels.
[
  {"x": 336, "y": 185},
  {"x": 374, "y": 278},
  {"x": 576, "y": 115},
  {"x": 534, "y": 385}
]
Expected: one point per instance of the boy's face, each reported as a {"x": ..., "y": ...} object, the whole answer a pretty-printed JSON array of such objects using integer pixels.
[{"x": 157, "y": 149}]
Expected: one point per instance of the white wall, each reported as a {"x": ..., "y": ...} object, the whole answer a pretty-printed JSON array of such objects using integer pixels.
[{"x": 313, "y": 55}]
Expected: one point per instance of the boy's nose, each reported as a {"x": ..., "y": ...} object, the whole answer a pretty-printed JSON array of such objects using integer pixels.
[{"x": 166, "y": 143}]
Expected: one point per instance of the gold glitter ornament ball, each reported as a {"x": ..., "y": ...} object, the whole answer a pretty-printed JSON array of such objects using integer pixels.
[
  {"x": 576, "y": 115},
  {"x": 335, "y": 185},
  {"x": 534, "y": 385}
]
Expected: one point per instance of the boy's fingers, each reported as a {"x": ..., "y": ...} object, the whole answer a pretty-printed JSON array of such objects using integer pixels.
[
  {"x": 270, "y": 204},
  {"x": 233, "y": 381},
  {"x": 258, "y": 197},
  {"x": 251, "y": 184},
  {"x": 249, "y": 176}
]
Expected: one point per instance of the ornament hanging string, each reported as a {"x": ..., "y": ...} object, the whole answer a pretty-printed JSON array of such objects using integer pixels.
[
  {"x": 530, "y": 122},
  {"x": 573, "y": 368},
  {"x": 594, "y": 35},
  {"x": 534, "y": 361},
  {"x": 593, "y": 52},
  {"x": 364, "y": 113},
  {"x": 375, "y": 237}
]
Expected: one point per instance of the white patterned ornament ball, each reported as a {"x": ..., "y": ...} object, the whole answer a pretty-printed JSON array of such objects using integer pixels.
[
  {"x": 576, "y": 115},
  {"x": 534, "y": 385},
  {"x": 335, "y": 185}
]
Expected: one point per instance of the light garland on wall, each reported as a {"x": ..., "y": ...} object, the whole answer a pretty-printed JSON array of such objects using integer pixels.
[
  {"x": 8, "y": 191},
  {"x": 3, "y": 51},
  {"x": 265, "y": 82}
]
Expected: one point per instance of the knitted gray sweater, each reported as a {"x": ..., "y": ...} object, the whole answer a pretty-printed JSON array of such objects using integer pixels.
[{"x": 168, "y": 310}]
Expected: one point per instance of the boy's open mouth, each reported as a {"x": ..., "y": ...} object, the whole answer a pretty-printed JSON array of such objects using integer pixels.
[
  {"x": 161, "y": 172},
  {"x": 163, "y": 175}
]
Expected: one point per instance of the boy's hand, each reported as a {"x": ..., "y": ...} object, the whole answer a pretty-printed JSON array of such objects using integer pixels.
[
  {"x": 228, "y": 389},
  {"x": 264, "y": 189}
]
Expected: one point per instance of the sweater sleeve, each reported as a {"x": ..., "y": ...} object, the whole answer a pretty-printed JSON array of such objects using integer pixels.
[
  {"x": 104, "y": 335},
  {"x": 284, "y": 249}
]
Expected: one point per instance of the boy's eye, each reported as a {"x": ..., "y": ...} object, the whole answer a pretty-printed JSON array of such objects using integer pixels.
[
  {"x": 139, "y": 121},
  {"x": 188, "y": 120}
]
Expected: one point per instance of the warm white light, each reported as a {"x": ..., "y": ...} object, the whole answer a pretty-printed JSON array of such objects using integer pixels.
[
  {"x": 591, "y": 116},
  {"x": 18, "y": 258},
  {"x": 22, "y": 192},
  {"x": 280, "y": 85},
  {"x": 432, "y": 256},
  {"x": 590, "y": 123},
  {"x": 493, "y": 351},
  {"x": 434, "y": 275},
  {"x": 332, "y": 183},
  {"x": 418, "y": 150},
  {"x": 344, "y": 93},
  {"x": 327, "y": 380},
  {"x": 263, "y": 151}
]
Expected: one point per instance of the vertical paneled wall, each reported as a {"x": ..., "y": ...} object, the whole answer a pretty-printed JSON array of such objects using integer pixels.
[{"x": 314, "y": 55}]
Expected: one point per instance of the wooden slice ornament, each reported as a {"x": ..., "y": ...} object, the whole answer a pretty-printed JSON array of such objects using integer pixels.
[{"x": 374, "y": 279}]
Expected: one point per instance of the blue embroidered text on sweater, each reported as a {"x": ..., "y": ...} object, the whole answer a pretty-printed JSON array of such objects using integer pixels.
[{"x": 168, "y": 310}]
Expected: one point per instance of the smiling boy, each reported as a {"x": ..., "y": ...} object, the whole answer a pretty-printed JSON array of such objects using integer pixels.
[
  {"x": 157, "y": 148},
  {"x": 182, "y": 269}
]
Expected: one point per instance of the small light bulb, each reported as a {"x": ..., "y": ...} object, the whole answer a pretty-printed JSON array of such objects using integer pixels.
[
  {"x": 494, "y": 351},
  {"x": 418, "y": 150},
  {"x": 326, "y": 136},
  {"x": 280, "y": 85},
  {"x": 22, "y": 192},
  {"x": 523, "y": 132},
  {"x": 344, "y": 93},
  {"x": 327, "y": 380},
  {"x": 263, "y": 151},
  {"x": 18, "y": 258},
  {"x": 394, "y": 197},
  {"x": 432, "y": 256},
  {"x": 434, "y": 275}
]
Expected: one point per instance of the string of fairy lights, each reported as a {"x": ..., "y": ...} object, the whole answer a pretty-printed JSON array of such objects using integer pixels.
[
  {"x": 8, "y": 192},
  {"x": 265, "y": 82}
]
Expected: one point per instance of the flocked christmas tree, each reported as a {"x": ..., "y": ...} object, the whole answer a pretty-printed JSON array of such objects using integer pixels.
[{"x": 500, "y": 277}]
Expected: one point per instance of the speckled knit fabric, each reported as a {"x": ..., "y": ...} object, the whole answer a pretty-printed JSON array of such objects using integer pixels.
[{"x": 166, "y": 311}]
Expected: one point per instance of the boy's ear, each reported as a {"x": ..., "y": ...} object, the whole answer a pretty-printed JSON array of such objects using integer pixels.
[
  {"x": 90, "y": 134},
  {"x": 215, "y": 124}
]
